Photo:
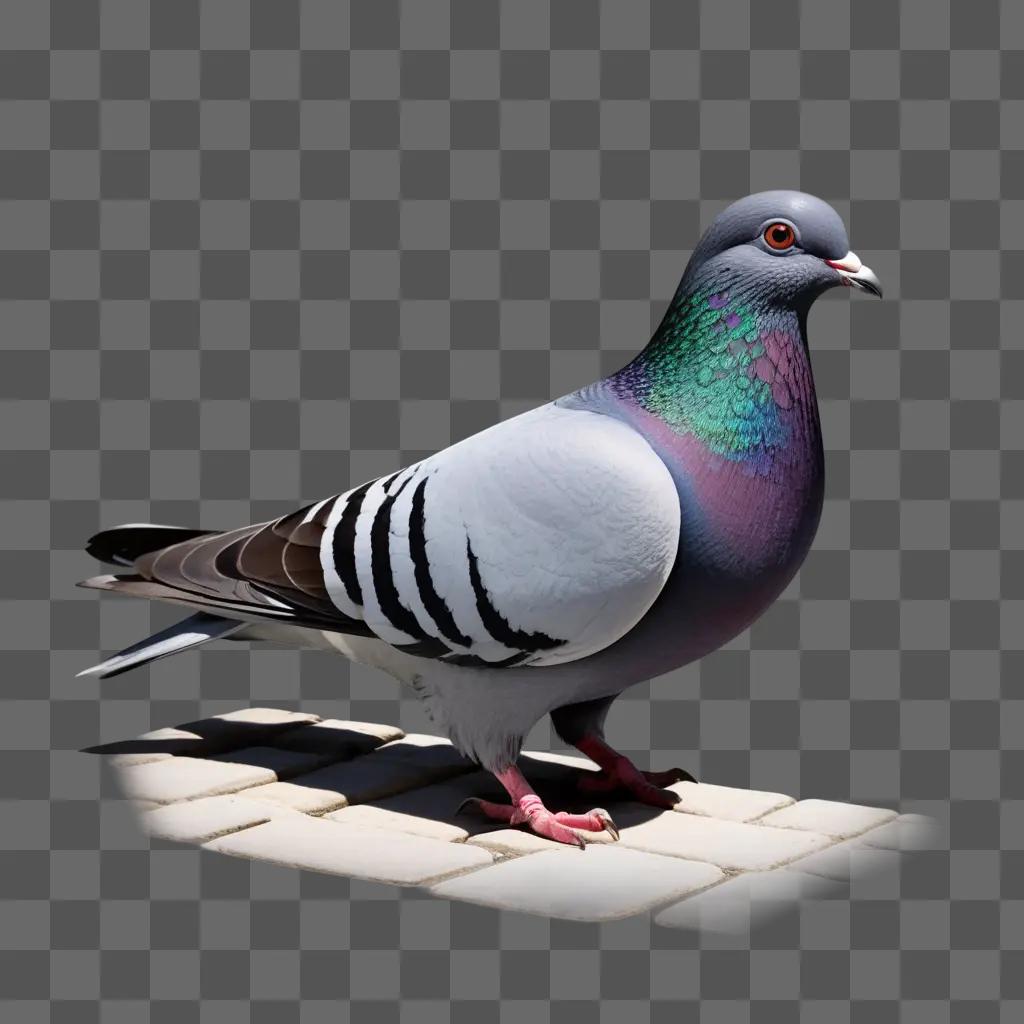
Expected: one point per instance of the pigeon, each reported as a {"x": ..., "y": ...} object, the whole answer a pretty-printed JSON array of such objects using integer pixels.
[{"x": 551, "y": 561}]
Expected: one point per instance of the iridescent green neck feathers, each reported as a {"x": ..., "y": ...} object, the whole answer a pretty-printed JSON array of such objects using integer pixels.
[{"x": 726, "y": 368}]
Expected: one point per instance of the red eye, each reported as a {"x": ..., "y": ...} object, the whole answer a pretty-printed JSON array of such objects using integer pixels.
[{"x": 779, "y": 236}]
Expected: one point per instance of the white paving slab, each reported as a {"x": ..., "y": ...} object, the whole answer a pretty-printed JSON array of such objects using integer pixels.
[
  {"x": 303, "y": 798},
  {"x": 540, "y": 767},
  {"x": 426, "y": 751},
  {"x": 743, "y": 900},
  {"x": 339, "y": 738},
  {"x": 283, "y": 763},
  {"x": 730, "y": 844},
  {"x": 375, "y": 775},
  {"x": 379, "y": 855},
  {"x": 188, "y": 778},
  {"x": 440, "y": 801},
  {"x": 828, "y": 816},
  {"x": 512, "y": 841},
  {"x": 563, "y": 760},
  {"x": 130, "y": 760},
  {"x": 847, "y": 861},
  {"x": 726, "y": 802},
  {"x": 197, "y": 821},
  {"x": 373, "y": 816},
  {"x": 907, "y": 832},
  {"x": 599, "y": 883},
  {"x": 274, "y": 718}
]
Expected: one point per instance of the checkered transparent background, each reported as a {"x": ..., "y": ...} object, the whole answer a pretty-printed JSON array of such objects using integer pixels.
[{"x": 253, "y": 252}]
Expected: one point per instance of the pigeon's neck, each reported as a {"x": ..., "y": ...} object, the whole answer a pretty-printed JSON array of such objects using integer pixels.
[{"x": 728, "y": 367}]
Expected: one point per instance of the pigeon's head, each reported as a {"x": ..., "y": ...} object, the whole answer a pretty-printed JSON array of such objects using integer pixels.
[{"x": 788, "y": 246}]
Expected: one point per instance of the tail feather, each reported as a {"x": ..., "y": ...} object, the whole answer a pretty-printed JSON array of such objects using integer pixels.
[
  {"x": 191, "y": 632},
  {"x": 121, "y": 545}
]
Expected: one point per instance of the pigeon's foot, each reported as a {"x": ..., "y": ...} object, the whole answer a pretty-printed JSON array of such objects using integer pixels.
[
  {"x": 619, "y": 774},
  {"x": 557, "y": 825},
  {"x": 528, "y": 809}
]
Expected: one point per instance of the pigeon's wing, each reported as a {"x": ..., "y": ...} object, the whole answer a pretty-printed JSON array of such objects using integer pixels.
[
  {"x": 541, "y": 540},
  {"x": 266, "y": 571},
  {"x": 538, "y": 541}
]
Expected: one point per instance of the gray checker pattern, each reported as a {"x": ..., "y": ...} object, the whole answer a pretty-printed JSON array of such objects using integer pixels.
[{"x": 250, "y": 253}]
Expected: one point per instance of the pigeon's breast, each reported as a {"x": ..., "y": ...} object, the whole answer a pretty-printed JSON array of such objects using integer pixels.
[{"x": 750, "y": 519}]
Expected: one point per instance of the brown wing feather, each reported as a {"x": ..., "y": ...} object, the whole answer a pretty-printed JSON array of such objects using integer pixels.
[
  {"x": 300, "y": 556},
  {"x": 255, "y": 567}
]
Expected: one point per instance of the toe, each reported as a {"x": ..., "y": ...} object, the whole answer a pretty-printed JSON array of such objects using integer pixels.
[
  {"x": 546, "y": 824},
  {"x": 496, "y": 812},
  {"x": 655, "y": 796},
  {"x": 597, "y": 820}
]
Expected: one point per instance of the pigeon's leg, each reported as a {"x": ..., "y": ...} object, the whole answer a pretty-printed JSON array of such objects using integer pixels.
[
  {"x": 582, "y": 725},
  {"x": 619, "y": 773},
  {"x": 528, "y": 808}
]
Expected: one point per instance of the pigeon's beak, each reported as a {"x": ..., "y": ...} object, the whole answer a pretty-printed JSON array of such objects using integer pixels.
[{"x": 855, "y": 274}]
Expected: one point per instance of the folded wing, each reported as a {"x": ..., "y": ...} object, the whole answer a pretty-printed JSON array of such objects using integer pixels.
[{"x": 541, "y": 540}]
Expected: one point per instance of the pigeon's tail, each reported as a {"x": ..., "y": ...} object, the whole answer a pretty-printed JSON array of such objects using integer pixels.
[
  {"x": 191, "y": 632},
  {"x": 123, "y": 544}
]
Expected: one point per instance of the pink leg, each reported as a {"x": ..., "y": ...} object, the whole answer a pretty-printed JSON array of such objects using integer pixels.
[
  {"x": 618, "y": 772},
  {"x": 528, "y": 808}
]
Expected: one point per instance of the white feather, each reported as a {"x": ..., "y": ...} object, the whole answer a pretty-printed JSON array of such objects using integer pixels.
[{"x": 573, "y": 519}]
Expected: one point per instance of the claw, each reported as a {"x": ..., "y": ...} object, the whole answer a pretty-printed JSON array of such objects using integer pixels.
[
  {"x": 606, "y": 820},
  {"x": 577, "y": 840},
  {"x": 470, "y": 801}
]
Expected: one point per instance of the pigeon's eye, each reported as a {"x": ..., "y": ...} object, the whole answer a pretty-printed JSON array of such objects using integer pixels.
[{"x": 779, "y": 236}]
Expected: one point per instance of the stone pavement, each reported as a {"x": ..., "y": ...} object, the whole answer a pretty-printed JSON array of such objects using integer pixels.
[{"x": 367, "y": 801}]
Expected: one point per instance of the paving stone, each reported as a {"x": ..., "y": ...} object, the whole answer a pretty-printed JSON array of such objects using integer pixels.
[
  {"x": 907, "y": 832},
  {"x": 243, "y": 728},
  {"x": 726, "y": 802},
  {"x": 564, "y": 770},
  {"x": 380, "y": 855},
  {"x": 427, "y": 751},
  {"x": 283, "y": 763},
  {"x": 729, "y": 844},
  {"x": 340, "y": 739},
  {"x": 188, "y": 778},
  {"x": 374, "y": 816},
  {"x": 130, "y": 760},
  {"x": 564, "y": 760},
  {"x": 440, "y": 801},
  {"x": 302, "y": 798},
  {"x": 846, "y": 861},
  {"x": 273, "y": 718},
  {"x": 196, "y": 821},
  {"x": 744, "y": 900},
  {"x": 375, "y": 775},
  {"x": 829, "y": 817},
  {"x": 512, "y": 841},
  {"x": 597, "y": 884}
]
